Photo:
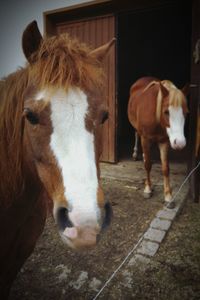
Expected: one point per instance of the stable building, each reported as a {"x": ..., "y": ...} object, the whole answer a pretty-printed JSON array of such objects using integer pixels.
[{"x": 159, "y": 38}]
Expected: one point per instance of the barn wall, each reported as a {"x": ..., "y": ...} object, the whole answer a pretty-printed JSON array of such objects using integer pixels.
[{"x": 14, "y": 16}]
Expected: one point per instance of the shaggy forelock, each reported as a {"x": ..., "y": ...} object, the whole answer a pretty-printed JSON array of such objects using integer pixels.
[{"x": 62, "y": 62}]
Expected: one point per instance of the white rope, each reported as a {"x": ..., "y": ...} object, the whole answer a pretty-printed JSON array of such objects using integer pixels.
[
  {"x": 187, "y": 177},
  {"x": 125, "y": 259},
  {"x": 115, "y": 272}
]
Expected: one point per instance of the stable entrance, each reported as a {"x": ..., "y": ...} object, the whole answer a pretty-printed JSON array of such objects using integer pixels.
[{"x": 154, "y": 42}]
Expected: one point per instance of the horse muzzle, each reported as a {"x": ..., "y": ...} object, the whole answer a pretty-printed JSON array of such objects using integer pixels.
[
  {"x": 81, "y": 237},
  {"x": 178, "y": 143}
]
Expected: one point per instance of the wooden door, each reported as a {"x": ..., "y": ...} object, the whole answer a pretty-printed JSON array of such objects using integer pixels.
[
  {"x": 195, "y": 101},
  {"x": 95, "y": 32}
]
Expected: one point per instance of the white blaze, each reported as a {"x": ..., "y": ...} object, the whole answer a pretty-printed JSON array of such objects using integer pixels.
[
  {"x": 176, "y": 129},
  {"x": 73, "y": 147}
]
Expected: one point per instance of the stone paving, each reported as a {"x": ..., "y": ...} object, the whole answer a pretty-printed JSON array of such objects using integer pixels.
[
  {"x": 158, "y": 228},
  {"x": 160, "y": 225},
  {"x": 150, "y": 241}
]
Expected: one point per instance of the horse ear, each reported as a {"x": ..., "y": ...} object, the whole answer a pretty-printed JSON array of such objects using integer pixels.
[
  {"x": 100, "y": 52},
  {"x": 186, "y": 89},
  {"x": 31, "y": 40}
]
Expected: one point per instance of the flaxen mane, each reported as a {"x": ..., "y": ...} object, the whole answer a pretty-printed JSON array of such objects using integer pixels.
[{"x": 176, "y": 96}]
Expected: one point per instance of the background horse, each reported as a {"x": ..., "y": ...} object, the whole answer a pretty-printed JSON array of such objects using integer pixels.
[
  {"x": 50, "y": 116},
  {"x": 157, "y": 111}
]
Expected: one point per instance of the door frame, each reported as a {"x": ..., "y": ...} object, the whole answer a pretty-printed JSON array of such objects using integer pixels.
[{"x": 194, "y": 159}]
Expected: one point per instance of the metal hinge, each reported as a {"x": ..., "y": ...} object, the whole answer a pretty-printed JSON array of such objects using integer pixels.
[
  {"x": 196, "y": 53},
  {"x": 193, "y": 85}
]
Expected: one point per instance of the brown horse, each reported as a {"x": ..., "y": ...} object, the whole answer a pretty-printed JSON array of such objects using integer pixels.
[
  {"x": 51, "y": 113},
  {"x": 157, "y": 110}
]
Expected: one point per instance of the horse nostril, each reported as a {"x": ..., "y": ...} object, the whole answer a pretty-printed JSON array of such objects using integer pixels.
[
  {"x": 62, "y": 218},
  {"x": 175, "y": 142}
]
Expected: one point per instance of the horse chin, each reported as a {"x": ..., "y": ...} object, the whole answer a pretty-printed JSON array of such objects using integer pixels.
[
  {"x": 76, "y": 237},
  {"x": 61, "y": 216},
  {"x": 66, "y": 241},
  {"x": 80, "y": 238}
]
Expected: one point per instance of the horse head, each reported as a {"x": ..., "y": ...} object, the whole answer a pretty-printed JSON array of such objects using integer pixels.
[
  {"x": 63, "y": 115},
  {"x": 174, "y": 110}
]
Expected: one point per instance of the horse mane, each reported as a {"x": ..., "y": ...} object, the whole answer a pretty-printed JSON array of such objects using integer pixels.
[
  {"x": 62, "y": 62},
  {"x": 11, "y": 127},
  {"x": 176, "y": 96}
]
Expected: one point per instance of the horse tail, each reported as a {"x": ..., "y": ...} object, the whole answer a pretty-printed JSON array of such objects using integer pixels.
[{"x": 158, "y": 100}]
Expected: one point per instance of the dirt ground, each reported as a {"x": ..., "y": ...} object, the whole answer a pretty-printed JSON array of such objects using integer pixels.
[{"x": 55, "y": 272}]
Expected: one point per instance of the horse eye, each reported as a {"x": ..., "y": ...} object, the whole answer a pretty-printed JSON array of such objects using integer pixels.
[
  {"x": 104, "y": 116},
  {"x": 31, "y": 116}
]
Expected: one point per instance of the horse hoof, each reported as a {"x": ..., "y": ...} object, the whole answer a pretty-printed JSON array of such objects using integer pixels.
[
  {"x": 147, "y": 195},
  {"x": 170, "y": 204},
  {"x": 134, "y": 157}
]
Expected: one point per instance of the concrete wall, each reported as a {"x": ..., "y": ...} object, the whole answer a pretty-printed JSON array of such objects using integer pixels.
[{"x": 14, "y": 16}]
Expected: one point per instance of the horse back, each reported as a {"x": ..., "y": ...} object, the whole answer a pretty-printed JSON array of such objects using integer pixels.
[{"x": 142, "y": 104}]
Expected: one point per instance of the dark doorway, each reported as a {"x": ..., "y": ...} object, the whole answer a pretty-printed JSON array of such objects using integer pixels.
[{"x": 151, "y": 42}]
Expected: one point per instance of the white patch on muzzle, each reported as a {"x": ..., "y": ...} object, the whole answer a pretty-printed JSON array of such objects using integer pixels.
[
  {"x": 73, "y": 147},
  {"x": 176, "y": 129}
]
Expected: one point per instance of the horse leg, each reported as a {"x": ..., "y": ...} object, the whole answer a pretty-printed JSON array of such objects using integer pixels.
[
  {"x": 165, "y": 170},
  {"x": 135, "y": 149},
  {"x": 147, "y": 164}
]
